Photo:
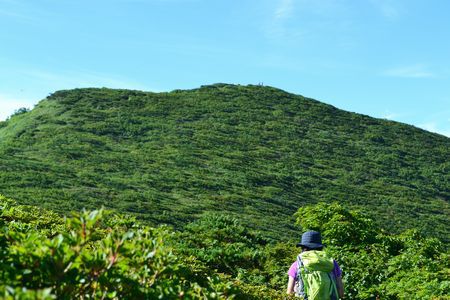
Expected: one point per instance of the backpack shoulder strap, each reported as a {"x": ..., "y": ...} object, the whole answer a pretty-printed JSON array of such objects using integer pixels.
[
  {"x": 300, "y": 289},
  {"x": 334, "y": 292}
]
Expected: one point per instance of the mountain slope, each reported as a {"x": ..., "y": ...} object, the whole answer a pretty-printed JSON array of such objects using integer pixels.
[{"x": 255, "y": 152}]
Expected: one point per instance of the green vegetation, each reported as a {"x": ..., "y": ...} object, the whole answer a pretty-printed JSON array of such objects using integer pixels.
[
  {"x": 255, "y": 153},
  {"x": 100, "y": 254}
]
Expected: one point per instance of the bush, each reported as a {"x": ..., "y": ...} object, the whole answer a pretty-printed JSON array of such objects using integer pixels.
[{"x": 98, "y": 255}]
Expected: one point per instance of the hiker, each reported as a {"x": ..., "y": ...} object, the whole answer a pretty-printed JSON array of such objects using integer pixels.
[{"x": 315, "y": 275}]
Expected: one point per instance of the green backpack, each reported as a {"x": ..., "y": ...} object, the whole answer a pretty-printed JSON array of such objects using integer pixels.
[{"x": 315, "y": 280}]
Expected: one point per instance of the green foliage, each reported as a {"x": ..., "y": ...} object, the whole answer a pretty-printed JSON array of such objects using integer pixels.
[
  {"x": 255, "y": 153},
  {"x": 277, "y": 259},
  {"x": 19, "y": 111},
  {"x": 103, "y": 255},
  {"x": 222, "y": 243},
  {"x": 89, "y": 259},
  {"x": 337, "y": 225},
  {"x": 25, "y": 218}
]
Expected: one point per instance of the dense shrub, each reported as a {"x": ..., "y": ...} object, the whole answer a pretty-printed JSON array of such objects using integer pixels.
[
  {"x": 222, "y": 243},
  {"x": 99, "y": 255},
  {"x": 102, "y": 255}
]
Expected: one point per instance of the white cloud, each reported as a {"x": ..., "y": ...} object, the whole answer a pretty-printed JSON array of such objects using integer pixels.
[
  {"x": 434, "y": 127},
  {"x": 413, "y": 71},
  {"x": 8, "y": 105}
]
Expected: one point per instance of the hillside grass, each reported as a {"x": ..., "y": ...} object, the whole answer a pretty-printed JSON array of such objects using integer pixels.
[{"x": 256, "y": 153}]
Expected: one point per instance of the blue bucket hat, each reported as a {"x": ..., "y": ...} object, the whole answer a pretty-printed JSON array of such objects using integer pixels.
[{"x": 311, "y": 240}]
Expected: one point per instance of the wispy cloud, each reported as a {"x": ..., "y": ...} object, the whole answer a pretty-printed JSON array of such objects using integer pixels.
[
  {"x": 41, "y": 82},
  {"x": 389, "y": 115},
  {"x": 8, "y": 13},
  {"x": 20, "y": 11},
  {"x": 388, "y": 8},
  {"x": 436, "y": 128},
  {"x": 275, "y": 28},
  {"x": 284, "y": 9},
  {"x": 75, "y": 79},
  {"x": 294, "y": 20},
  {"x": 413, "y": 71}
]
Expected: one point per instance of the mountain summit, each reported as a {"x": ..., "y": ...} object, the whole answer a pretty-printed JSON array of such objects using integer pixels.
[{"x": 254, "y": 152}]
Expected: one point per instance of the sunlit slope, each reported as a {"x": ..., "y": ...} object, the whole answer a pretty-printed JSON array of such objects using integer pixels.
[{"x": 256, "y": 152}]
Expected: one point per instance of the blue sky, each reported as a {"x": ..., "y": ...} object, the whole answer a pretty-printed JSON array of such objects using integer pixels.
[{"x": 384, "y": 58}]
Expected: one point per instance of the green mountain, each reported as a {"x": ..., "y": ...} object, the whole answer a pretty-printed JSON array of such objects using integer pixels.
[{"x": 257, "y": 153}]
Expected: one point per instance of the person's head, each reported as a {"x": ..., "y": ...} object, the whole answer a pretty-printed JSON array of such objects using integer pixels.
[{"x": 311, "y": 240}]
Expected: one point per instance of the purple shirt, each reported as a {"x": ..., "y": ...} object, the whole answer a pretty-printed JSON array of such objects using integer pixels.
[{"x": 293, "y": 270}]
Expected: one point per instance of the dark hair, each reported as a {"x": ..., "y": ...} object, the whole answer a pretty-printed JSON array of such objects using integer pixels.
[{"x": 304, "y": 248}]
